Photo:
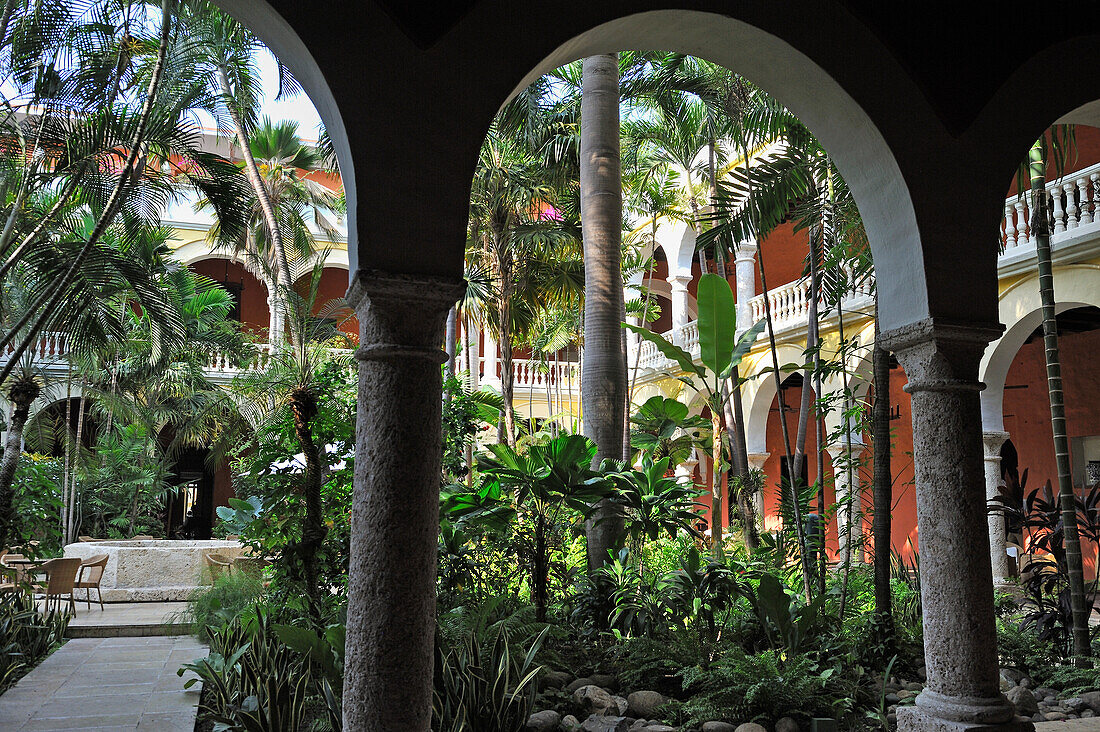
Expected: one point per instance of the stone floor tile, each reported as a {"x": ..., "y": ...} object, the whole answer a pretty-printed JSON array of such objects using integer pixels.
[{"x": 128, "y": 720}]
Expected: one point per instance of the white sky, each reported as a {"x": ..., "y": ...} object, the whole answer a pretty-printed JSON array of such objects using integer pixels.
[{"x": 299, "y": 109}]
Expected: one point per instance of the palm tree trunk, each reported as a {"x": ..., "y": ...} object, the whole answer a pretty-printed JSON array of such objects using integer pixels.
[
  {"x": 67, "y": 461},
  {"x": 22, "y": 394},
  {"x": 1040, "y": 227},
  {"x": 504, "y": 341},
  {"x": 303, "y": 407},
  {"x": 77, "y": 444},
  {"x": 451, "y": 344},
  {"x": 883, "y": 488},
  {"x": 716, "y": 534},
  {"x": 603, "y": 376},
  {"x": 267, "y": 207}
]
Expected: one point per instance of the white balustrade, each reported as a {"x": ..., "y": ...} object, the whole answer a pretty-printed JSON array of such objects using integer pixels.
[
  {"x": 1071, "y": 200},
  {"x": 535, "y": 374}
]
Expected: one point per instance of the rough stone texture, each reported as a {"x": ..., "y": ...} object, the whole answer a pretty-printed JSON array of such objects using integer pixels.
[
  {"x": 644, "y": 703},
  {"x": 658, "y": 728},
  {"x": 721, "y": 727},
  {"x": 620, "y": 703},
  {"x": 599, "y": 723},
  {"x": 1024, "y": 701},
  {"x": 546, "y": 721},
  {"x": 555, "y": 679},
  {"x": 786, "y": 724},
  {"x": 915, "y": 718},
  {"x": 578, "y": 683},
  {"x": 746, "y": 727},
  {"x": 998, "y": 554},
  {"x": 569, "y": 723},
  {"x": 593, "y": 699},
  {"x": 1092, "y": 699},
  {"x": 960, "y": 640},
  {"x": 157, "y": 570},
  {"x": 395, "y": 509}
]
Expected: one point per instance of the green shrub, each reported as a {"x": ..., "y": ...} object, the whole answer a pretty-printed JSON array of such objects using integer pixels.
[
  {"x": 216, "y": 606},
  {"x": 27, "y": 635},
  {"x": 1021, "y": 648}
]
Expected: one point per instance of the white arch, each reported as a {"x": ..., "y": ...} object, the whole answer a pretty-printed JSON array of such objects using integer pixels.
[
  {"x": 1075, "y": 285},
  {"x": 758, "y": 393},
  {"x": 677, "y": 240},
  {"x": 854, "y": 142}
]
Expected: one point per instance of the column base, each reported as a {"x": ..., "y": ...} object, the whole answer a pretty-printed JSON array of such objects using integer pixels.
[{"x": 915, "y": 719}]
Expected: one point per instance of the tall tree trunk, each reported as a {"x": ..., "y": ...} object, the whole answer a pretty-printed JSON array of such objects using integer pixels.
[
  {"x": 716, "y": 533},
  {"x": 1040, "y": 227},
  {"x": 450, "y": 343},
  {"x": 67, "y": 460},
  {"x": 603, "y": 375},
  {"x": 883, "y": 487},
  {"x": 77, "y": 446},
  {"x": 23, "y": 392},
  {"x": 817, "y": 237},
  {"x": 267, "y": 206},
  {"x": 303, "y": 407},
  {"x": 504, "y": 342}
]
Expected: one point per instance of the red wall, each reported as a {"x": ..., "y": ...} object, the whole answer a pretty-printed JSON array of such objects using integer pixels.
[
  {"x": 334, "y": 285},
  {"x": 1027, "y": 411},
  {"x": 253, "y": 294}
]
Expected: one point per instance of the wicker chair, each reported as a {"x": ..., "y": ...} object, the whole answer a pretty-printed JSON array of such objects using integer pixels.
[
  {"x": 14, "y": 573},
  {"x": 218, "y": 564},
  {"x": 91, "y": 573},
  {"x": 60, "y": 579}
]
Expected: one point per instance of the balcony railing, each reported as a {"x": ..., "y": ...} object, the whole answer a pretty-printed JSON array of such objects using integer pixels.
[
  {"x": 1072, "y": 202},
  {"x": 534, "y": 374},
  {"x": 790, "y": 306}
]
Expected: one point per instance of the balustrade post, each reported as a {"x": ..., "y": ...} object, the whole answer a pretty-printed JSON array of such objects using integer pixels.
[
  {"x": 1010, "y": 227},
  {"x": 1083, "y": 213},
  {"x": 1022, "y": 227},
  {"x": 1071, "y": 206},
  {"x": 680, "y": 314},
  {"x": 1059, "y": 216}
]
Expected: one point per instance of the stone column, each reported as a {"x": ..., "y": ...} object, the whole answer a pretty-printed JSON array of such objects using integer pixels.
[
  {"x": 686, "y": 469},
  {"x": 845, "y": 482},
  {"x": 395, "y": 508},
  {"x": 489, "y": 374},
  {"x": 472, "y": 333},
  {"x": 744, "y": 262},
  {"x": 756, "y": 462},
  {"x": 680, "y": 314},
  {"x": 998, "y": 549},
  {"x": 960, "y": 640}
]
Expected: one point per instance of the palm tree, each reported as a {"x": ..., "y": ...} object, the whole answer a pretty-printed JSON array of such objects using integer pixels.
[
  {"x": 1060, "y": 139},
  {"x": 515, "y": 235},
  {"x": 603, "y": 372},
  {"x": 225, "y": 54},
  {"x": 290, "y": 385}
]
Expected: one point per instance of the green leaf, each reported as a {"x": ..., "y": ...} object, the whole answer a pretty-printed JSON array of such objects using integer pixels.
[
  {"x": 744, "y": 345},
  {"x": 717, "y": 322},
  {"x": 669, "y": 350}
]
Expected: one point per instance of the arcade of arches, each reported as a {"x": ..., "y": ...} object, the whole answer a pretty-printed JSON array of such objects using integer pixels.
[{"x": 925, "y": 119}]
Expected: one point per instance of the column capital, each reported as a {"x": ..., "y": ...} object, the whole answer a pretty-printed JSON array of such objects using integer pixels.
[
  {"x": 372, "y": 286},
  {"x": 399, "y": 314},
  {"x": 679, "y": 281},
  {"x": 757, "y": 459},
  {"x": 941, "y": 355},
  {"x": 745, "y": 249},
  {"x": 846, "y": 448},
  {"x": 992, "y": 441}
]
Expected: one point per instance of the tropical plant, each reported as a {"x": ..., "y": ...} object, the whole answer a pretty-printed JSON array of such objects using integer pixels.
[
  {"x": 484, "y": 685},
  {"x": 662, "y": 428},
  {"x": 720, "y": 352},
  {"x": 238, "y": 515},
  {"x": 27, "y": 635},
  {"x": 652, "y": 502}
]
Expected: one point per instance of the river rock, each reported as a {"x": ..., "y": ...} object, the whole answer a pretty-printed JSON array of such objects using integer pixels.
[
  {"x": 786, "y": 724},
  {"x": 1092, "y": 699},
  {"x": 748, "y": 727},
  {"x": 719, "y": 727},
  {"x": 546, "y": 721},
  {"x": 592, "y": 699},
  {"x": 555, "y": 680},
  {"x": 600, "y": 723},
  {"x": 1076, "y": 705},
  {"x": 607, "y": 681},
  {"x": 644, "y": 703},
  {"x": 1026, "y": 704},
  {"x": 578, "y": 683},
  {"x": 569, "y": 723}
]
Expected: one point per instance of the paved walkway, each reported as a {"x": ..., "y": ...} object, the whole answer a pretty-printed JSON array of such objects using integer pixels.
[
  {"x": 128, "y": 619},
  {"x": 1070, "y": 725},
  {"x": 101, "y": 684}
]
